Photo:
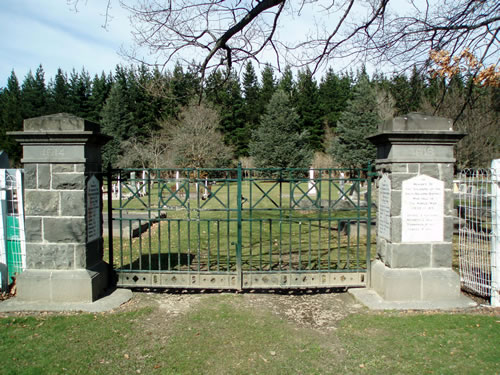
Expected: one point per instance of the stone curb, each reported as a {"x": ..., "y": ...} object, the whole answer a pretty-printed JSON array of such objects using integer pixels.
[
  {"x": 107, "y": 303},
  {"x": 373, "y": 301}
]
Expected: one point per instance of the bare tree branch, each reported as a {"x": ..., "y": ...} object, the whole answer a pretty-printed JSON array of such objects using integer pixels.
[{"x": 220, "y": 33}]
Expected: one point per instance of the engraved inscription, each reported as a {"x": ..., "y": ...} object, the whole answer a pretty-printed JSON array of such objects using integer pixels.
[
  {"x": 93, "y": 209},
  {"x": 422, "y": 211},
  {"x": 424, "y": 151},
  {"x": 384, "y": 208},
  {"x": 51, "y": 151}
]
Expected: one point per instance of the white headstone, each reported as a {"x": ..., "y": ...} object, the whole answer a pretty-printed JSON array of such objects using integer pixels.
[
  {"x": 422, "y": 209},
  {"x": 342, "y": 183},
  {"x": 311, "y": 185},
  {"x": 93, "y": 209},
  {"x": 384, "y": 208}
]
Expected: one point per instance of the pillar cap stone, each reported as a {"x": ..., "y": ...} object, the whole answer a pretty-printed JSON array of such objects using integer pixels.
[
  {"x": 415, "y": 138},
  {"x": 60, "y": 138},
  {"x": 60, "y": 122},
  {"x": 60, "y": 128},
  {"x": 417, "y": 121},
  {"x": 417, "y": 128}
]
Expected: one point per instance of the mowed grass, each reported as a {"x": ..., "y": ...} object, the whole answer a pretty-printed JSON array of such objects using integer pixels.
[{"x": 222, "y": 335}]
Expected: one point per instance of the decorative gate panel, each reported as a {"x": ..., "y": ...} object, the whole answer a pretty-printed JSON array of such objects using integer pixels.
[{"x": 239, "y": 228}]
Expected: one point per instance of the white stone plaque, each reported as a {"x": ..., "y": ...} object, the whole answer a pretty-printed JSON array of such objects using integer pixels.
[
  {"x": 93, "y": 209},
  {"x": 422, "y": 209},
  {"x": 384, "y": 207}
]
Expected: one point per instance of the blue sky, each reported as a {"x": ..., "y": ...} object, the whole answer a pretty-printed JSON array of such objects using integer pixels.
[{"x": 52, "y": 33}]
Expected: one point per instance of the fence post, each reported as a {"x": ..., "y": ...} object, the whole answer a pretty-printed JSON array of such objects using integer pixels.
[
  {"x": 4, "y": 272},
  {"x": 239, "y": 244},
  {"x": 495, "y": 235}
]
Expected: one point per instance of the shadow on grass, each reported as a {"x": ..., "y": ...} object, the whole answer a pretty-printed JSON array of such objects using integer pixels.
[{"x": 156, "y": 262}]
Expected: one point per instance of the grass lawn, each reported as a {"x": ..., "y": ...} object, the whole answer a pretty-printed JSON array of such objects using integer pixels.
[{"x": 230, "y": 334}]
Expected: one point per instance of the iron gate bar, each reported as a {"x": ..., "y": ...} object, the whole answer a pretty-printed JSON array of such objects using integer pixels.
[{"x": 243, "y": 267}]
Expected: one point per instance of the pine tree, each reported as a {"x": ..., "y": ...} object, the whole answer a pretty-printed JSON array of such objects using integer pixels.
[
  {"x": 268, "y": 87},
  {"x": 417, "y": 90},
  {"x": 306, "y": 103},
  {"x": 34, "y": 94},
  {"x": 278, "y": 142},
  {"x": 286, "y": 83},
  {"x": 142, "y": 104},
  {"x": 101, "y": 86},
  {"x": 334, "y": 92},
  {"x": 225, "y": 94},
  {"x": 117, "y": 121},
  {"x": 183, "y": 85},
  {"x": 58, "y": 93},
  {"x": 80, "y": 91},
  {"x": 251, "y": 94},
  {"x": 11, "y": 118},
  {"x": 360, "y": 119}
]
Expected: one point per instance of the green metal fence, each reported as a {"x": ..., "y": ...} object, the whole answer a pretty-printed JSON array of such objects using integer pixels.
[{"x": 239, "y": 228}]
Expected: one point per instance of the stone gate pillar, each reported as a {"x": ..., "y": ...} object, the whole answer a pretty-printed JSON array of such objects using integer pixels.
[
  {"x": 415, "y": 210},
  {"x": 63, "y": 180}
]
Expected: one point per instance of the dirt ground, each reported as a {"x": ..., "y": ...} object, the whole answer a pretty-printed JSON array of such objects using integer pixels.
[
  {"x": 319, "y": 310},
  {"x": 315, "y": 309}
]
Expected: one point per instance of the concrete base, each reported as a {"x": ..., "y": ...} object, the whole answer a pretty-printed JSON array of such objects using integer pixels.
[
  {"x": 373, "y": 301},
  {"x": 81, "y": 285},
  {"x": 414, "y": 284},
  {"x": 111, "y": 300}
]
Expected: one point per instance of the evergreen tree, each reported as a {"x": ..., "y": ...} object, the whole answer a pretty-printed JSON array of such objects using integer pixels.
[
  {"x": 225, "y": 94},
  {"x": 334, "y": 92},
  {"x": 34, "y": 94},
  {"x": 417, "y": 90},
  {"x": 360, "y": 119},
  {"x": 183, "y": 86},
  {"x": 142, "y": 104},
  {"x": 101, "y": 86},
  {"x": 286, "y": 83},
  {"x": 58, "y": 91},
  {"x": 161, "y": 87},
  {"x": 251, "y": 112},
  {"x": 268, "y": 87},
  {"x": 80, "y": 90},
  {"x": 117, "y": 121},
  {"x": 306, "y": 102},
  {"x": 251, "y": 93},
  {"x": 407, "y": 92},
  {"x": 11, "y": 118},
  {"x": 278, "y": 142}
]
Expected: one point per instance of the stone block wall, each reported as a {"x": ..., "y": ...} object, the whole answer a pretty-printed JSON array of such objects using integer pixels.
[
  {"x": 406, "y": 255},
  {"x": 55, "y": 217},
  {"x": 61, "y": 154},
  {"x": 415, "y": 226}
]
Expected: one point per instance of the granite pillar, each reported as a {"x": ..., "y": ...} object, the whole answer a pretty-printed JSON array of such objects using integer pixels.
[
  {"x": 415, "y": 209},
  {"x": 63, "y": 181}
]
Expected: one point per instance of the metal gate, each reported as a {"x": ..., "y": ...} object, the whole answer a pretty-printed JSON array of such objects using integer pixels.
[
  {"x": 239, "y": 228},
  {"x": 479, "y": 234}
]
